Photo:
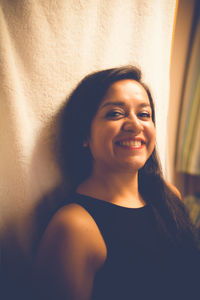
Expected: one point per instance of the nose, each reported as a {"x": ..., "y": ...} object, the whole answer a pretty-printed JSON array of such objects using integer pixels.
[{"x": 132, "y": 124}]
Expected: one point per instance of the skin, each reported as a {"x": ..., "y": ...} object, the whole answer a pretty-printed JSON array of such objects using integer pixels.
[
  {"x": 70, "y": 253},
  {"x": 122, "y": 138},
  {"x": 124, "y": 115}
]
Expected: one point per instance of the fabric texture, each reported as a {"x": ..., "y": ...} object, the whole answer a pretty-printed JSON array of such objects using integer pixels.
[
  {"x": 188, "y": 147},
  {"x": 46, "y": 47},
  {"x": 141, "y": 263}
]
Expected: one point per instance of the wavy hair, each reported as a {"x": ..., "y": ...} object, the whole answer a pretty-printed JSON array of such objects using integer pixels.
[{"x": 76, "y": 160}]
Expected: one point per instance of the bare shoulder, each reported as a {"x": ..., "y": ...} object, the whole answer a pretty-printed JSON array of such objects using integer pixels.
[
  {"x": 73, "y": 225},
  {"x": 71, "y": 252},
  {"x": 174, "y": 189}
]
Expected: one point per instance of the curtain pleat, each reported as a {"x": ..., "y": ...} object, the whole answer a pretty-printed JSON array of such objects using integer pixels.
[{"x": 188, "y": 147}]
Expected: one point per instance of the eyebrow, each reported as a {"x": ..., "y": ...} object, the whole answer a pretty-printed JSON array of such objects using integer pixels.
[{"x": 122, "y": 104}]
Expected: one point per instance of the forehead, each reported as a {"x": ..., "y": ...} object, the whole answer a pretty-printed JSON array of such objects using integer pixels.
[{"x": 126, "y": 90}]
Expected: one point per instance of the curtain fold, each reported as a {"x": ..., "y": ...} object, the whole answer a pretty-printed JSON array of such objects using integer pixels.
[
  {"x": 188, "y": 147},
  {"x": 46, "y": 47}
]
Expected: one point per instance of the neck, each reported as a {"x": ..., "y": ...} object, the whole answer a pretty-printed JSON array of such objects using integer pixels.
[{"x": 120, "y": 188}]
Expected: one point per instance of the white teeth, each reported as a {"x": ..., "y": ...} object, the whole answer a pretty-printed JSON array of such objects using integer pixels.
[{"x": 130, "y": 143}]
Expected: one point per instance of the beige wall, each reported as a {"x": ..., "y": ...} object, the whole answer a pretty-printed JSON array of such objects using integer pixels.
[{"x": 178, "y": 61}]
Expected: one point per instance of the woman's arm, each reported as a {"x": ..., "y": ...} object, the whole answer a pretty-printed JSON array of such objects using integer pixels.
[{"x": 71, "y": 252}]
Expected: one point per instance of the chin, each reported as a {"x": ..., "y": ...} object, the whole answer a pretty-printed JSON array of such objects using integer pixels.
[{"x": 132, "y": 166}]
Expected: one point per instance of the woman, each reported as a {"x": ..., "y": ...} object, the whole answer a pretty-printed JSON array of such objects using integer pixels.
[{"x": 123, "y": 233}]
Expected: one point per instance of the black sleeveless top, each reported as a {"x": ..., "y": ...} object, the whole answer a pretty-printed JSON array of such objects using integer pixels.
[{"x": 141, "y": 263}]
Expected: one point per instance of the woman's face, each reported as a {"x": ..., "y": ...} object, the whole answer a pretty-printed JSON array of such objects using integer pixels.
[{"x": 122, "y": 135}]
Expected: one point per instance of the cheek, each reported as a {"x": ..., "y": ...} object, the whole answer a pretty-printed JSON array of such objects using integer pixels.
[
  {"x": 150, "y": 133},
  {"x": 152, "y": 136},
  {"x": 102, "y": 139}
]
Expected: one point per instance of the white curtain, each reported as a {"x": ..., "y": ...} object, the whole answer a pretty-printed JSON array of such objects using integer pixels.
[{"x": 46, "y": 47}]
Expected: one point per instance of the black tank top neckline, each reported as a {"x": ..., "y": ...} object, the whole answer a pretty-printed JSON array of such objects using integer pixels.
[
  {"x": 141, "y": 262},
  {"x": 101, "y": 202}
]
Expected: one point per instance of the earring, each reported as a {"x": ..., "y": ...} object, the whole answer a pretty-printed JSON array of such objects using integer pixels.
[{"x": 85, "y": 144}]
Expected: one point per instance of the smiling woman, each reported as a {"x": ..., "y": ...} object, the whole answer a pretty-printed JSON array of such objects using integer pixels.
[
  {"x": 123, "y": 232},
  {"x": 122, "y": 133}
]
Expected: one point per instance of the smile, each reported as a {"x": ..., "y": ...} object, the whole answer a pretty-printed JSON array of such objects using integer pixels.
[{"x": 131, "y": 143}]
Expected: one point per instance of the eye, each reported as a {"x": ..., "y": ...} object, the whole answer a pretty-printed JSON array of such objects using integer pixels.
[
  {"x": 114, "y": 114},
  {"x": 144, "y": 115}
]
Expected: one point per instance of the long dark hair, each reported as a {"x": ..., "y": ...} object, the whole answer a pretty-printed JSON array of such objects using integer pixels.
[{"x": 76, "y": 160}]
